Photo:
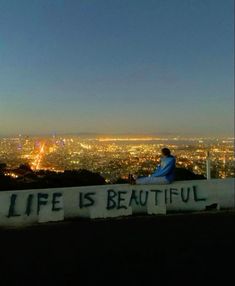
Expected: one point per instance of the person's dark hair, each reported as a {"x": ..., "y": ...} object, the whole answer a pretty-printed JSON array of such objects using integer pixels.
[{"x": 166, "y": 152}]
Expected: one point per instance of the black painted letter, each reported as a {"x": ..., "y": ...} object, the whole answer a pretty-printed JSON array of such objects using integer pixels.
[
  {"x": 184, "y": 198},
  {"x": 196, "y": 198},
  {"x": 90, "y": 200},
  {"x": 55, "y": 201},
  {"x": 11, "y": 211},
  {"x": 86, "y": 200},
  {"x": 111, "y": 204},
  {"x": 166, "y": 191},
  {"x": 120, "y": 199},
  {"x": 29, "y": 205},
  {"x": 133, "y": 198},
  {"x": 156, "y": 193},
  {"x": 173, "y": 192},
  {"x": 144, "y": 202}
]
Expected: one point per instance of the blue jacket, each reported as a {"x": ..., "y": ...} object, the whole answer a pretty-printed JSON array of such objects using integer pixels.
[{"x": 166, "y": 169}]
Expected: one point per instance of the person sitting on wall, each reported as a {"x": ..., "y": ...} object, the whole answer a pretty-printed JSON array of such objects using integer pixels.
[{"x": 164, "y": 173}]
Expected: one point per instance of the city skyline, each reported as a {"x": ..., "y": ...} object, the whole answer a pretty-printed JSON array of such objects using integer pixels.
[
  {"x": 117, "y": 67},
  {"x": 121, "y": 136}
]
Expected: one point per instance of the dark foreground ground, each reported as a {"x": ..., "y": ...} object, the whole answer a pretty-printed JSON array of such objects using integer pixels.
[{"x": 190, "y": 249}]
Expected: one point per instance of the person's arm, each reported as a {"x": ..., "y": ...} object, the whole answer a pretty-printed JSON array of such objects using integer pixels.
[
  {"x": 160, "y": 172},
  {"x": 157, "y": 168}
]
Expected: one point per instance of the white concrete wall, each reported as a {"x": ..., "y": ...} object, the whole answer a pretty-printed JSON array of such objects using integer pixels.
[{"x": 32, "y": 206}]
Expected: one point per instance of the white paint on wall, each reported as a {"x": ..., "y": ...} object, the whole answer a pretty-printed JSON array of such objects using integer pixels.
[{"x": 33, "y": 206}]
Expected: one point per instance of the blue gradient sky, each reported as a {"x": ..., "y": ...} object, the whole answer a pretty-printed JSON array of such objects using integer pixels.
[{"x": 116, "y": 66}]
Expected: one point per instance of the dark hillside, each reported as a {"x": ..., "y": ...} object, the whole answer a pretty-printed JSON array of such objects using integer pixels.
[{"x": 175, "y": 248}]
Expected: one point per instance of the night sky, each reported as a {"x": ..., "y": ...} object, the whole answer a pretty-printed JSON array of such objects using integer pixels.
[{"x": 116, "y": 66}]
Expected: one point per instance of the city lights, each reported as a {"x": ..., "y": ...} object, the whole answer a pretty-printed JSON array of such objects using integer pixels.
[{"x": 116, "y": 157}]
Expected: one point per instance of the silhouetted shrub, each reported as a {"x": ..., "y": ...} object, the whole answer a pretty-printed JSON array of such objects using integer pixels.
[
  {"x": 182, "y": 174},
  {"x": 49, "y": 179},
  {"x": 121, "y": 181}
]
